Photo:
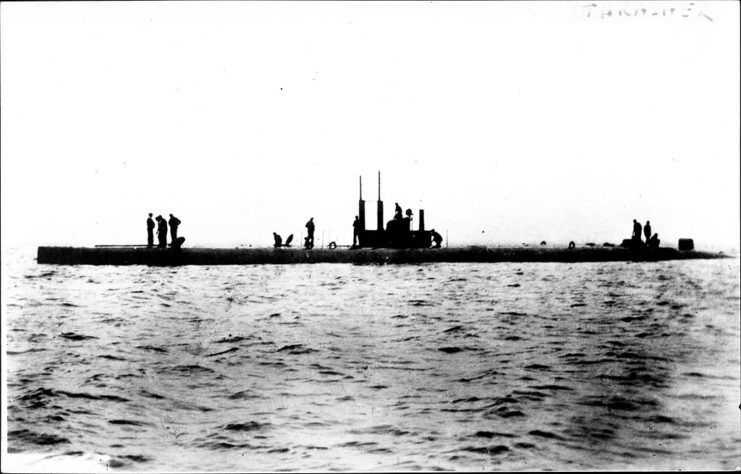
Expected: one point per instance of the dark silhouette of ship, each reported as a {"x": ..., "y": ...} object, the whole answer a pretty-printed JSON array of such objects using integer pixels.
[{"x": 394, "y": 243}]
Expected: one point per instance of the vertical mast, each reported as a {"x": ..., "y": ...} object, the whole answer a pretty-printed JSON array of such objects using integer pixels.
[
  {"x": 379, "y": 222},
  {"x": 361, "y": 205}
]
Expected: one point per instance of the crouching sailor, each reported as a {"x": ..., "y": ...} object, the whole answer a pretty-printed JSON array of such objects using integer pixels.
[
  {"x": 653, "y": 242},
  {"x": 437, "y": 239}
]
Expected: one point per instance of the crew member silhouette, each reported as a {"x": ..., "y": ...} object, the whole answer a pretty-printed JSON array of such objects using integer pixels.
[
  {"x": 355, "y": 231},
  {"x": 636, "y": 237},
  {"x": 150, "y": 231},
  {"x": 278, "y": 240},
  {"x": 653, "y": 242},
  {"x": 310, "y": 236},
  {"x": 162, "y": 232},
  {"x": 647, "y": 230},
  {"x": 397, "y": 211},
  {"x": 174, "y": 223},
  {"x": 437, "y": 238}
]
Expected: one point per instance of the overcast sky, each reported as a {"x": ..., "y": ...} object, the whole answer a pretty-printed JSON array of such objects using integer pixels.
[{"x": 506, "y": 122}]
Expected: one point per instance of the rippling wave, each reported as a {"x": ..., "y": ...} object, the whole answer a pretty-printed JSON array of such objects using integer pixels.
[{"x": 337, "y": 367}]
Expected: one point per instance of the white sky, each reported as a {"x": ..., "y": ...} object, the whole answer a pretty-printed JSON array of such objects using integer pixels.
[{"x": 506, "y": 122}]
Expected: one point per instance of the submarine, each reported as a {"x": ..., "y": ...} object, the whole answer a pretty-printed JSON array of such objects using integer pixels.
[{"x": 394, "y": 243}]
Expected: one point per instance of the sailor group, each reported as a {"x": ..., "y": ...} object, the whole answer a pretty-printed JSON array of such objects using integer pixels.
[
  {"x": 174, "y": 222},
  {"x": 652, "y": 241}
]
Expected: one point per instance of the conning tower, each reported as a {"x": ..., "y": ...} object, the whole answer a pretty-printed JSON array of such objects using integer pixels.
[{"x": 399, "y": 235}]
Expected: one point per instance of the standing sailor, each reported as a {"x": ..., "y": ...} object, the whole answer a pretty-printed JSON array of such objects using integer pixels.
[
  {"x": 355, "y": 231},
  {"x": 647, "y": 231},
  {"x": 174, "y": 223},
  {"x": 150, "y": 231},
  {"x": 310, "y": 230},
  {"x": 636, "y": 237},
  {"x": 162, "y": 232}
]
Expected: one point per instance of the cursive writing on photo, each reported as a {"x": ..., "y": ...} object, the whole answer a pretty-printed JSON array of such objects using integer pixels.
[{"x": 643, "y": 10}]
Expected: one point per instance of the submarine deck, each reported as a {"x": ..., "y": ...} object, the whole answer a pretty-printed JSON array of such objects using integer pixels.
[{"x": 261, "y": 256}]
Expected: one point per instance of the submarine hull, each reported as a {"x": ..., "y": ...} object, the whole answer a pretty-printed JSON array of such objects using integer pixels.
[{"x": 262, "y": 256}]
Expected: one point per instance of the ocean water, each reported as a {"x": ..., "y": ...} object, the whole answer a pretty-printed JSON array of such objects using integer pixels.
[{"x": 340, "y": 367}]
